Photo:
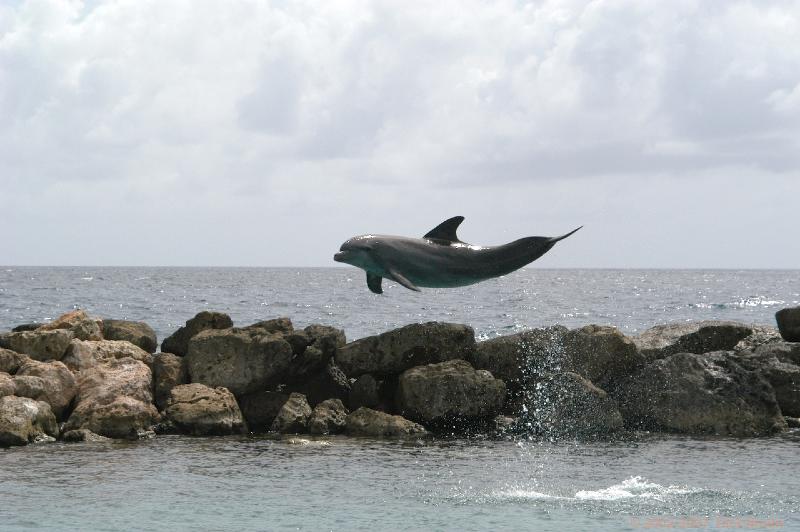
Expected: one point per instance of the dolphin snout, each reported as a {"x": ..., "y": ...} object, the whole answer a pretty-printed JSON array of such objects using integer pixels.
[{"x": 339, "y": 257}]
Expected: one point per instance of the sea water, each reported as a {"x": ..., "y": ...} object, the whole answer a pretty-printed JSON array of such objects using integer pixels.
[{"x": 645, "y": 481}]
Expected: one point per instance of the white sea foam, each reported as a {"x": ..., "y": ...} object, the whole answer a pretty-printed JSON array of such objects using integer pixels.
[{"x": 631, "y": 488}]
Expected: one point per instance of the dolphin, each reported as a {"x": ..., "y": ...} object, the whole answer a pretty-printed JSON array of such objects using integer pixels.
[{"x": 439, "y": 259}]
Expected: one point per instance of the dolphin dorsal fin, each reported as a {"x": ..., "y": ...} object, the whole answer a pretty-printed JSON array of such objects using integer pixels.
[{"x": 445, "y": 232}]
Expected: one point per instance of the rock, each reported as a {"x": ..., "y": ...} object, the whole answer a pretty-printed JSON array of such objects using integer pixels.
[
  {"x": 169, "y": 371},
  {"x": 240, "y": 360},
  {"x": 793, "y": 422},
  {"x": 299, "y": 341},
  {"x": 26, "y": 327},
  {"x": 115, "y": 399},
  {"x": 365, "y": 391},
  {"x": 24, "y": 420},
  {"x": 325, "y": 338},
  {"x": 79, "y": 323},
  {"x": 278, "y": 325},
  {"x": 568, "y": 405},
  {"x": 778, "y": 363},
  {"x": 138, "y": 333},
  {"x": 312, "y": 360},
  {"x": 395, "y": 351},
  {"x": 10, "y": 361},
  {"x": 328, "y": 417},
  {"x": 449, "y": 390},
  {"x": 261, "y": 408},
  {"x": 199, "y": 410},
  {"x": 178, "y": 342},
  {"x": 699, "y": 394},
  {"x": 7, "y": 385},
  {"x": 57, "y": 387},
  {"x": 83, "y": 435},
  {"x": 788, "y": 352},
  {"x": 694, "y": 337},
  {"x": 39, "y": 345},
  {"x": 762, "y": 335},
  {"x": 293, "y": 416},
  {"x": 82, "y": 355},
  {"x": 328, "y": 383},
  {"x": 789, "y": 323},
  {"x": 371, "y": 423}
]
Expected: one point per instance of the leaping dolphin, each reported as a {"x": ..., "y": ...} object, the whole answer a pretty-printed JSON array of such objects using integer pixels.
[{"x": 439, "y": 259}]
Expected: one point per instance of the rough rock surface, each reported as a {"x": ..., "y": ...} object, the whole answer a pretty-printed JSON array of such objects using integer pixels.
[
  {"x": 240, "y": 360},
  {"x": 82, "y": 354},
  {"x": 26, "y": 327},
  {"x": 293, "y": 416},
  {"x": 449, "y": 390},
  {"x": 779, "y": 364},
  {"x": 24, "y": 420},
  {"x": 694, "y": 337},
  {"x": 707, "y": 393},
  {"x": 83, "y": 435},
  {"x": 395, "y": 351},
  {"x": 789, "y": 323},
  {"x": 328, "y": 417},
  {"x": 199, "y": 410},
  {"x": 138, "y": 333},
  {"x": 169, "y": 371},
  {"x": 261, "y": 408},
  {"x": 39, "y": 345},
  {"x": 275, "y": 325},
  {"x": 79, "y": 323},
  {"x": 568, "y": 405},
  {"x": 58, "y": 385},
  {"x": 325, "y": 338},
  {"x": 115, "y": 399},
  {"x": 10, "y": 361},
  {"x": 178, "y": 342},
  {"x": 7, "y": 385},
  {"x": 762, "y": 335},
  {"x": 328, "y": 383},
  {"x": 372, "y": 423},
  {"x": 365, "y": 391}
]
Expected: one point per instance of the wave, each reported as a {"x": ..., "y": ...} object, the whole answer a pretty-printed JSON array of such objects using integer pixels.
[
  {"x": 630, "y": 488},
  {"x": 747, "y": 302}
]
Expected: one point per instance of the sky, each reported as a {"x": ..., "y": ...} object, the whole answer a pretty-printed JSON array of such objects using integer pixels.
[{"x": 258, "y": 133}]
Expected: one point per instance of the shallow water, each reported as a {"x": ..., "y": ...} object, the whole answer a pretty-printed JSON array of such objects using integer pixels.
[{"x": 256, "y": 483}]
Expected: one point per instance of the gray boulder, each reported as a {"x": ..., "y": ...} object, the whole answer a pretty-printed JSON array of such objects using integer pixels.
[
  {"x": 375, "y": 424},
  {"x": 789, "y": 323},
  {"x": 277, "y": 325},
  {"x": 365, "y": 391},
  {"x": 39, "y": 345},
  {"x": 328, "y": 383},
  {"x": 293, "y": 416},
  {"x": 449, "y": 390},
  {"x": 568, "y": 405},
  {"x": 395, "y": 351},
  {"x": 328, "y": 417},
  {"x": 115, "y": 399},
  {"x": 261, "y": 408},
  {"x": 694, "y": 337},
  {"x": 78, "y": 323},
  {"x": 138, "y": 333},
  {"x": 178, "y": 342},
  {"x": 762, "y": 335},
  {"x": 325, "y": 338},
  {"x": 10, "y": 361},
  {"x": 779, "y": 364},
  {"x": 7, "y": 385},
  {"x": 24, "y": 420},
  {"x": 707, "y": 393},
  {"x": 50, "y": 382},
  {"x": 82, "y": 354},
  {"x": 26, "y": 327},
  {"x": 199, "y": 410},
  {"x": 240, "y": 360},
  {"x": 169, "y": 371}
]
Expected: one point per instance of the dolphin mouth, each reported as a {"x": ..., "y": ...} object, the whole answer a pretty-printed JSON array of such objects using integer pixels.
[{"x": 339, "y": 257}]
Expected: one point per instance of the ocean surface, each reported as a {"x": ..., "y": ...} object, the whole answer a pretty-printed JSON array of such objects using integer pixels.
[{"x": 260, "y": 483}]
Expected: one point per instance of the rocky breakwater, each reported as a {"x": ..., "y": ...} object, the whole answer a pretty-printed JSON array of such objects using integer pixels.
[{"x": 84, "y": 379}]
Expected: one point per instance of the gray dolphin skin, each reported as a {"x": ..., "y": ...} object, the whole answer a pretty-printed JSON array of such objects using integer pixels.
[{"x": 439, "y": 259}]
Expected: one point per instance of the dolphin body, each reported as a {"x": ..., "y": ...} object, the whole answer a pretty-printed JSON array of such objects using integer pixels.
[{"x": 439, "y": 259}]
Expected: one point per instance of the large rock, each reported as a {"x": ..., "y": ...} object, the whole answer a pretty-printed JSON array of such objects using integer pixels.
[
  {"x": 50, "y": 382},
  {"x": 275, "y": 325},
  {"x": 178, "y": 342},
  {"x": 789, "y": 323},
  {"x": 694, "y": 337},
  {"x": 115, "y": 399},
  {"x": 39, "y": 345},
  {"x": 328, "y": 417},
  {"x": 24, "y": 420},
  {"x": 707, "y": 393},
  {"x": 325, "y": 338},
  {"x": 82, "y": 354},
  {"x": 395, "y": 351},
  {"x": 199, "y": 410},
  {"x": 240, "y": 360},
  {"x": 169, "y": 371},
  {"x": 449, "y": 390},
  {"x": 375, "y": 424},
  {"x": 261, "y": 408},
  {"x": 761, "y": 335},
  {"x": 365, "y": 391},
  {"x": 779, "y": 364},
  {"x": 10, "y": 361},
  {"x": 7, "y": 385},
  {"x": 568, "y": 405},
  {"x": 138, "y": 333},
  {"x": 79, "y": 323},
  {"x": 293, "y": 416},
  {"x": 328, "y": 383}
]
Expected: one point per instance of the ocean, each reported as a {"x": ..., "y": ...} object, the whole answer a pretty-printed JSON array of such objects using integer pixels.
[{"x": 645, "y": 481}]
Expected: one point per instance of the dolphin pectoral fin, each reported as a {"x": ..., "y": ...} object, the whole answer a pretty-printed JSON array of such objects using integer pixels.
[
  {"x": 374, "y": 283},
  {"x": 445, "y": 232},
  {"x": 395, "y": 276}
]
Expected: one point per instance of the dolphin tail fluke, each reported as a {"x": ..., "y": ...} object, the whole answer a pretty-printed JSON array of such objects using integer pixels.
[{"x": 562, "y": 237}]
